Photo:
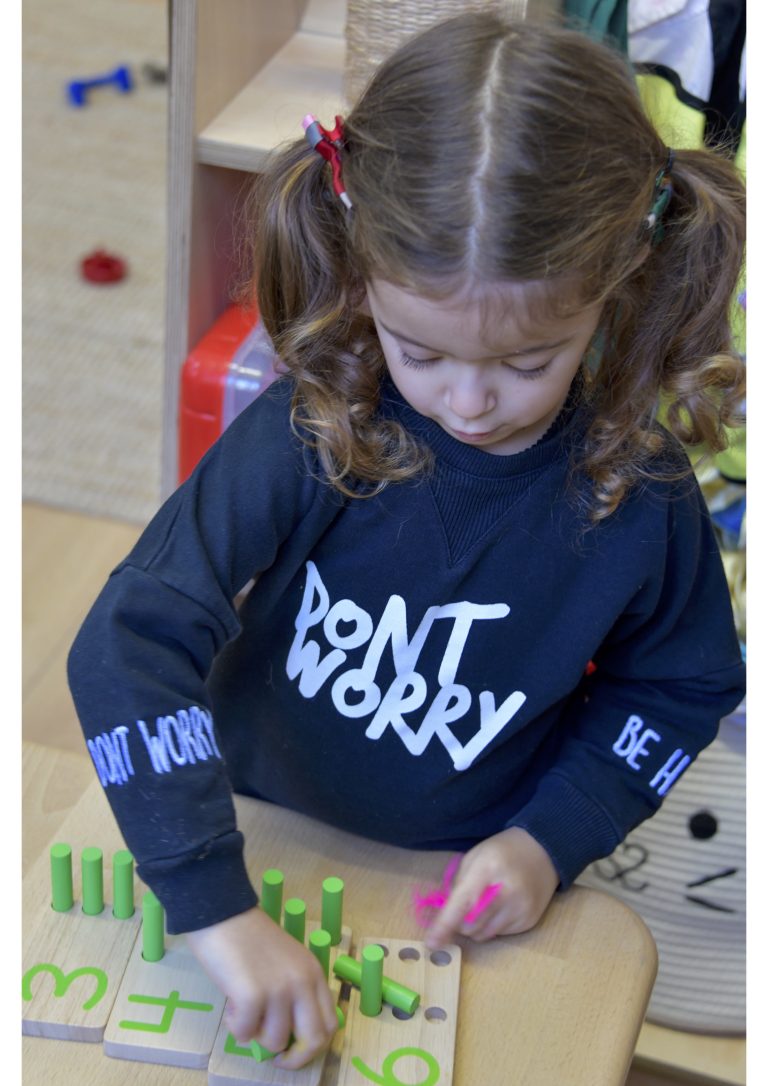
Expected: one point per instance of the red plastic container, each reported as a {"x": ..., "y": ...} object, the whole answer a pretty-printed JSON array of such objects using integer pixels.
[{"x": 231, "y": 365}]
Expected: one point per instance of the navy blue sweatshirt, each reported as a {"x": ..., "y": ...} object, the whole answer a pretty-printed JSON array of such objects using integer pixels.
[{"x": 411, "y": 666}]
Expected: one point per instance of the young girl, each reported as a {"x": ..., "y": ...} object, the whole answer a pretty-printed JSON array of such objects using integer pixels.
[{"x": 485, "y": 583}]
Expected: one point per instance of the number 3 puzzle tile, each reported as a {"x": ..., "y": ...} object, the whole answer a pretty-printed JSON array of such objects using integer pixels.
[
  {"x": 166, "y": 1011},
  {"x": 71, "y": 969}
]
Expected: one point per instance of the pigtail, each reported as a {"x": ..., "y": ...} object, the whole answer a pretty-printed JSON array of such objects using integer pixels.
[
  {"x": 668, "y": 340},
  {"x": 310, "y": 296},
  {"x": 702, "y": 376}
]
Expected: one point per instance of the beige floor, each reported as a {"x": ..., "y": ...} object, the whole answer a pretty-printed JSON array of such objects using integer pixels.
[{"x": 66, "y": 559}]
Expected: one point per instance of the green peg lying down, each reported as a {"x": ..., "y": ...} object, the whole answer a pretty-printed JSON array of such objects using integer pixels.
[{"x": 397, "y": 995}]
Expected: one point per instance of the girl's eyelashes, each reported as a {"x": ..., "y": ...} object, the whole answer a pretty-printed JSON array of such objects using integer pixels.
[
  {"x": 422, "y": 363},
  {"x": 537, "y": 372},
  {"x": 417, "y": 363}
]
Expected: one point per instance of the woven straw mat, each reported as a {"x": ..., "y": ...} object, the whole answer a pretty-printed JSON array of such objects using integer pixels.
[{"x": 93, "y": 177}]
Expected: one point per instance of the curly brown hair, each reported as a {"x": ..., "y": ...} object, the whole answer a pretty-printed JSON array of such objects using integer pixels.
[{"x": 489, "y": 150}]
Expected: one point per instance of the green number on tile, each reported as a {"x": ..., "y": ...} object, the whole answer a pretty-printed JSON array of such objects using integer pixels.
[
  {"x": 388, "y": 1076},
  {"x": 234, "y": 1049},
  {"x": 62, "y": 981},
  {"x": 171, "y": 1003}
]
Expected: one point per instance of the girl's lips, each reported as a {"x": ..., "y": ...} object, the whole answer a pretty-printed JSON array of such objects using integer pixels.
[{"x": 472, "y": 437}]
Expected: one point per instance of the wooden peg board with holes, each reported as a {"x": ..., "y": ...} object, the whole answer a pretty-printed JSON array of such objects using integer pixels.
[
  {"x": 71, "y": 970},
  {"x": 166, "y": 1011},
  {"x": 588, "y": 966},
  {"x": 233, "y": 1065},
  {"x": 395, "y": 1048},
  {"x": 99, "y": 987}
]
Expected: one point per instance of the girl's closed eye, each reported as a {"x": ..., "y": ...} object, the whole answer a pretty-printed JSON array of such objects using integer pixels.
[
  {"x": 422, "y": 363},
  {"x": 537, "y": 372},
  {"x": 416, "y": 363}
]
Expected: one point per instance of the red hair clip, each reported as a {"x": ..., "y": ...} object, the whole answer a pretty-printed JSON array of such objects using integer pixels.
[{"x": 328, "y": 143}]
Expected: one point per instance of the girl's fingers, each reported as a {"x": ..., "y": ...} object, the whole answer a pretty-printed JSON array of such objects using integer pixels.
[
  {"x": 450, "y": 921},
  {"x": 243, "y": 1023},
  {"x": 493, "y": 922},
  {"x": 478, "y": 914},
  {"x": 274, "y": 1032},
  {"x": 313, "y": 1027}
]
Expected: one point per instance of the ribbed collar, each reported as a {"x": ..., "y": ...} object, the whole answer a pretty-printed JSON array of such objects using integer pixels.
[{"x": 567, "y": 428}]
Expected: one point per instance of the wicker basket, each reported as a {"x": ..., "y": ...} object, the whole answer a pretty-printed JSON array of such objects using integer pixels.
[
  {"x": 375, "y": 28},
  {"x": 685, "y": 872}
]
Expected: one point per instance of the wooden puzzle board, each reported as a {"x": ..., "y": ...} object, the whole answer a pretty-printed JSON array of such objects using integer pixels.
[
  {"x": 232, "y": 1065},
  {"x": 398, "y": 1048},
  {"x": 166, "y": 1011},
  {"x": 588, "y": 966},
  {"x": 72, "y": 965}
]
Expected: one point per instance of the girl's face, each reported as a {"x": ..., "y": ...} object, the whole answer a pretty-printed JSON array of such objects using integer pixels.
[{"x": 465, "y": 361}]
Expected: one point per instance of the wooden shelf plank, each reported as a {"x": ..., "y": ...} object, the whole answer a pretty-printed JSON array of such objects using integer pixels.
[
  {"x": 305, "y": 76},
  {"x": 713, "y": 1059}
]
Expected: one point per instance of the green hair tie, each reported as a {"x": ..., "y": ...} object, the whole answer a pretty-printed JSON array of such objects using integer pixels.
[{"x": 662, "y": 194}]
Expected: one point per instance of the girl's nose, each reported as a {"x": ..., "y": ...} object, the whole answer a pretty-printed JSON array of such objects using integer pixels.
[{"x": 469, "y": 395}]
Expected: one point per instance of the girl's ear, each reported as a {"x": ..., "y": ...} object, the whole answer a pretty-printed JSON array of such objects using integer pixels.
[
  {"x": 641, "y": 258},
  {"x": 365, "y": 306}
]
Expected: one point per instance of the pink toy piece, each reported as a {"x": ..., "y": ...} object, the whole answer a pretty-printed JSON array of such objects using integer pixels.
[
  {"x": 482, "y": 903},
  {"x": 427, "y": 904}
]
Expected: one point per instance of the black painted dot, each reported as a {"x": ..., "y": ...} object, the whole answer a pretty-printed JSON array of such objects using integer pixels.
[{"x": 702, "y": 825}]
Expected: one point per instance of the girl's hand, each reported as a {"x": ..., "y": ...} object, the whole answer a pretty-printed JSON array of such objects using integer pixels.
[
  {"x": 274, "y": 986},
  {"x": 527, "y": 879}
]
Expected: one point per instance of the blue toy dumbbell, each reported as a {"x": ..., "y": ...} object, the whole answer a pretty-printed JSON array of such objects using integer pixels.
[{"x": 77, "y": 90}]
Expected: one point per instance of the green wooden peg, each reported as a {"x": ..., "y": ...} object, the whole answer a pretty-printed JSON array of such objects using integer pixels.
[
  {"x": 62, "y": 898},
  {"x": 397, "y": 995},
  {"x": 272, "y": 893},
  {"x": 122, "y": 885},
  {"x": 320, "y": 945},
  {"x": 331, "y": 908},
  {"x": 371, "y": 977},
  {"x": 295, "y": 919},
  {"x": 152, "y": 928},
  {"x": 93, "y": 881}
]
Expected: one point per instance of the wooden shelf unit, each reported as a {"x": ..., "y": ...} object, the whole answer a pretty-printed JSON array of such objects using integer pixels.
[{"x": 243, "y": 75}]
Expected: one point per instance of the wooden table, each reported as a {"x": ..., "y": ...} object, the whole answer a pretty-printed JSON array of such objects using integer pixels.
[{"x": 561, "y": 1004}]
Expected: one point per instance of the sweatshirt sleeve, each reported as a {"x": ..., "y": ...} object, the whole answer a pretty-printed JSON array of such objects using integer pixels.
[
  {"x": 138, "y": 667},
  {"x": 666, "y": 675}
]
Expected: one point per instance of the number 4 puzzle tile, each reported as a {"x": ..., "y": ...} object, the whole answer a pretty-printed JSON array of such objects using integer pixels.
[{"x": 165, "y": 1011}]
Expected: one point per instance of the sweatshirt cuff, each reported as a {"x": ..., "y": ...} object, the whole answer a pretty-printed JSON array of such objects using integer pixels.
[
  {"x": 202, "y": 888},
  {"x": 570, "y": 826}
]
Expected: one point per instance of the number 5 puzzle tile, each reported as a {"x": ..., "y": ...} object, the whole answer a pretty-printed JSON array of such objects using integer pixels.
[
  {"x": 394, "y": 1048},
  {"x": 234, "y": 1065},
  {"x": 166, "y": 1011}
]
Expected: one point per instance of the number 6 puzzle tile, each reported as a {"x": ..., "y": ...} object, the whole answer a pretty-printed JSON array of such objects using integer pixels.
[
  {"x": 393, "y": 1048},
  {"x": 166, "y": 1011}
]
